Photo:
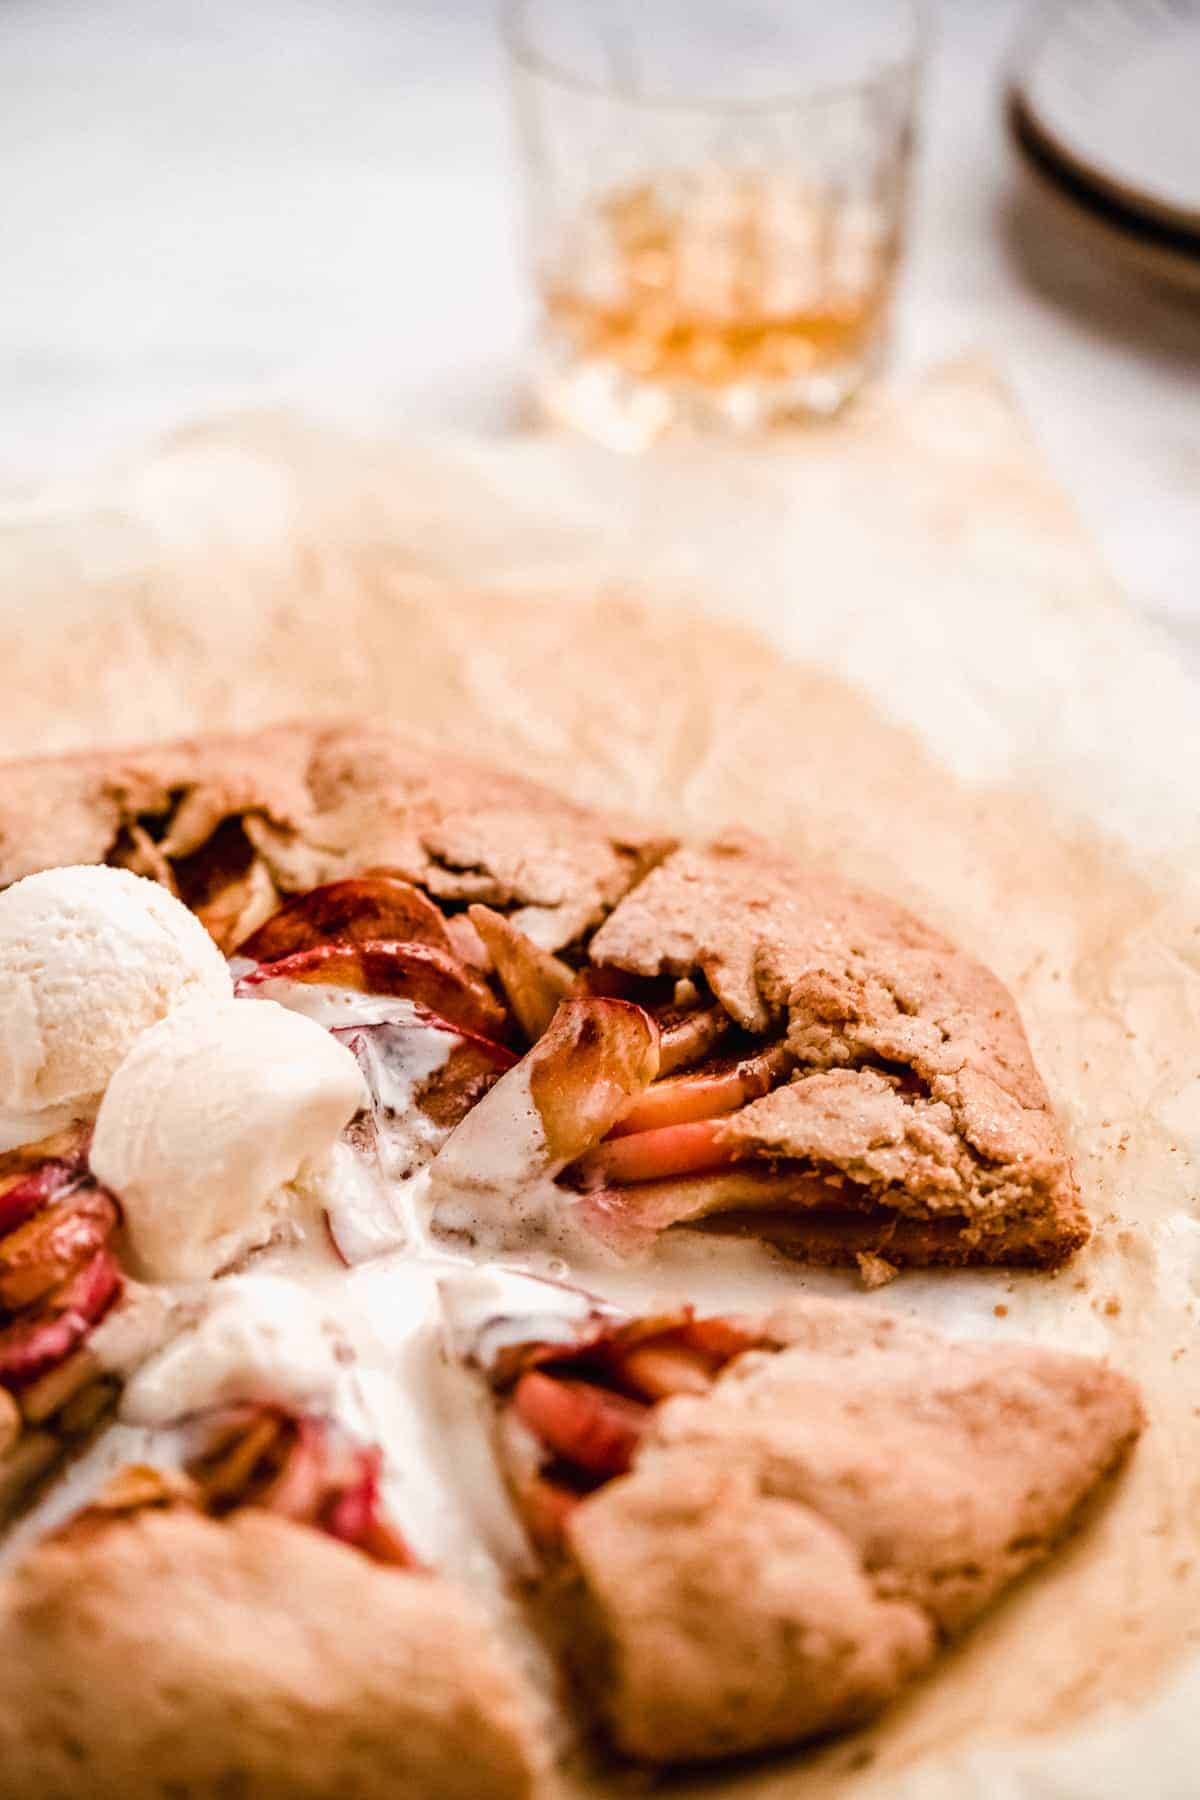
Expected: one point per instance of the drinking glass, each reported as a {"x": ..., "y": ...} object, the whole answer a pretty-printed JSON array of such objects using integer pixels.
[{"x": 716, "y": 198}]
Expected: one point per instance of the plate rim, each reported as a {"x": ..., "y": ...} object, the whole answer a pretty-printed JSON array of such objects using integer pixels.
[
  {"x": 1146, "y": 247},
  {"x": 1140, "y": 202}
]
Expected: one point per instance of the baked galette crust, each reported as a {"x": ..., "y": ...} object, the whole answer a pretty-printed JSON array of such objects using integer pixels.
[
  {"x": 791, "y": 1547},
  {"x": 167, "y": 1653},
  {"x": 321, "y": 801},
  {"x": 915, "y": 1079}
]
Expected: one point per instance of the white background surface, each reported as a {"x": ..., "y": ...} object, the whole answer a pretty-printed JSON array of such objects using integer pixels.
[{"x": 211, "y": 204}]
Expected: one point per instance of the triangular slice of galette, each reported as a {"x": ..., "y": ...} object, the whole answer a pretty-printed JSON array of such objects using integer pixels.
[
  {"x": 827, "y": 1074},
  {"x": 755, "y": 1531},
  {"x": 253, "y": 1624}
]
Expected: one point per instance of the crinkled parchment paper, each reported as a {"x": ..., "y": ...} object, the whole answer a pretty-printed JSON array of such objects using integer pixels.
[{"x": 910, "y": 665}]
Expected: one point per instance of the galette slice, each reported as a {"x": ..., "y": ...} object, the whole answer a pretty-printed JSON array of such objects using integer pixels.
[
  {"x": 252, "y": 1624},
  {"x": 833, "y": 1076},
  {"x": 751, "y": 1532}
]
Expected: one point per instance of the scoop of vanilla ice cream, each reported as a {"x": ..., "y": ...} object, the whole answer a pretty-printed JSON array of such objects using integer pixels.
[
  {"x": 89, "y": 957},
  {"x": 213, "y": 1114}
]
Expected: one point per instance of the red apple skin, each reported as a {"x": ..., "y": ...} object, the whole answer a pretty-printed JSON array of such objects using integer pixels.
[
  {"x": 38, "y": 1173},
  {"x": 362, "y": 909},
  {"x": 38, "y": 1341},
  {"x": 298, "y": 1489},
  {"x": 429, "y": 977},
  {"x": 320, "y": 1481},
  {"x": 350, "y": 1513},
  {"x": 587, "y": 1425},
  {"x": 355, "y": 1514}
]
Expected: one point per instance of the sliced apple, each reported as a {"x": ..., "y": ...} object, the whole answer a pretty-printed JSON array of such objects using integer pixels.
[
  {"x": 139, "y": 1485},
  {"x": 363, "y": 909},
  {"x": 384, "y": 1544},
  {"x": 59, "y": 1385},
  {"x": 491, "y": 1178},
  {"x": 297, "y": 1491},
  {"x": 545, "y": 1507},
  {"x": 349, "y": 1512},
  {"x": 689, "y": 1033},
  {"x": 240, "y": 1454},
  {"x": 421, "y": 973},
  {"x": 654, "y": 1155},
  {"x": 41, "y": 1339},
  {"x": 238, "y": 905},
  {"x": 719, "y": 1087},
  {"x": 533, "y": 980},
  {"x": 10, "y": 1423},
  {"x": 596, "y": 1058},
  {"x": 630, "y": 1218},
  {"x": 586, "y": 1425},
  {"x": 611, "y": 1350},
  {"x": 294, "y": 1465},
  {"x": 427, "y": 1062},
  {"x": 424, "y": 1076},
  {"x": 59, "y": 1239},
  {"x": 602, "y": 981},
  {"x": 38, "y": 1173},
  {"x": 354, "y": 1513},
  {"x": 659, "y": 1370},
  {"x": 471, "y": 1070},
  {"x": 87, "y": 1407},
  {"x": 467, "y": 944},
  {"x": 719, "y": 1338},
  {"x": 31, "y": 1457},
  {"x": 575, "y": 1414},
  {"x": 683, "y": 1358}
]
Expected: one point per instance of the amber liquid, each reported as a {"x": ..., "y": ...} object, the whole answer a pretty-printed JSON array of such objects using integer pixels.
[{"x": 723, "y": 279}]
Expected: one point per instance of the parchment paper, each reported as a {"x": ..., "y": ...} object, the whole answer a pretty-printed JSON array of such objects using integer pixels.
[{"x": 909, "y": 664}]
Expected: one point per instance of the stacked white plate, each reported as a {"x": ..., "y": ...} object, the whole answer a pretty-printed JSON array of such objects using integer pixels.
[{"x": 1104, "y": 106}]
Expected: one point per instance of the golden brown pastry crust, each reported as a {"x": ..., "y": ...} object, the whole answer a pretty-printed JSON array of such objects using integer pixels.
[
  {"x": 916, "y": 1082},
  {"x": 790, "y": 1548},
  {"x": 165, "y": 1653},
  {"x": 320, "y": 801}
]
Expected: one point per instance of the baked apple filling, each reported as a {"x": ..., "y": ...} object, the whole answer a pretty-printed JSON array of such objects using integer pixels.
[
  {"x": 58, "y": 1281},
  {"x": 296, "y": 1465},
  {"x": 573, "y": 1414},
  {"x": 299, "y": 1467},
  {"x": 631, "y": 1095}
]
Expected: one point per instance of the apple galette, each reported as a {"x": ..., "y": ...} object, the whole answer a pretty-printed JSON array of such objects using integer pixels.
[{"x": 299, "y": 1029}]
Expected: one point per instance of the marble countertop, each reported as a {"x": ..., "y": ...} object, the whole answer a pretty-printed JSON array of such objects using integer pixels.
[{"x": 207, "y": 205}]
